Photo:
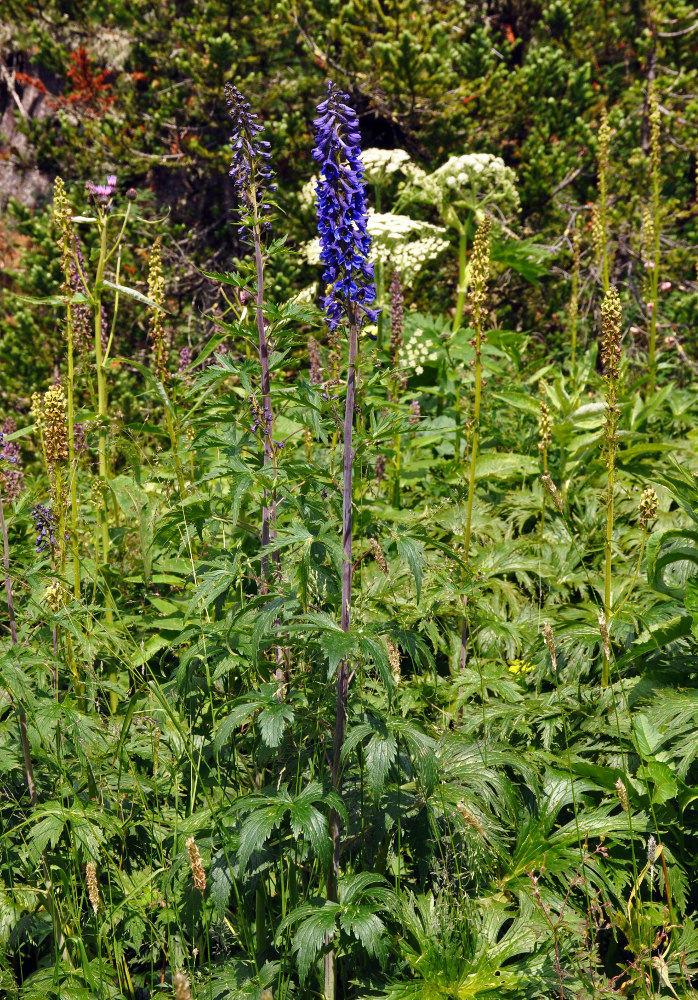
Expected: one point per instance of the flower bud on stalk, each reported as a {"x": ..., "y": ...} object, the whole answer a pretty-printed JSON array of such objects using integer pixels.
[{"x": 611, "y": 337}]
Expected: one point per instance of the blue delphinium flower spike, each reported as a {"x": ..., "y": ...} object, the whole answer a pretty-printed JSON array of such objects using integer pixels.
[
  {"x": 44, "y": 524},
  {"x": 342, "y": 212},
  {"x": 250, "y": 169}
]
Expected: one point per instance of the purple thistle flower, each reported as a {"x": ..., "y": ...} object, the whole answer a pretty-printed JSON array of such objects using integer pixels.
[
  {"x": 341, "y": 211},
  {"x": 250, "y": 170},
  {"x": 102, "y": 192},
  {"x": 44, "y": 523}
]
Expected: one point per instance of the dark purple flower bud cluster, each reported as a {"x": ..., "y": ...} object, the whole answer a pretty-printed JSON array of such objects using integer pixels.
[
  {"x": 342, "y": 212},
  {"x": 44, "y": 524},
  {"x": 102, "y": 192},
  {"x": 250, "y": 169},
  {"x": 11, "y": 475},
  {"x": 82, "y": 313},
  {"x": 316, "y": 377},
  {"x": 79, "y": 439}
]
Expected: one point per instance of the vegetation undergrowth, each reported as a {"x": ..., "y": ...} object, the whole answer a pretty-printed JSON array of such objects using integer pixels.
[{"x": 349, "y": 637}]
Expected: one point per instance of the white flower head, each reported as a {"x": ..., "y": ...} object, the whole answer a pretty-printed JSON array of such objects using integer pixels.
[{"x": 380, "y": 163}]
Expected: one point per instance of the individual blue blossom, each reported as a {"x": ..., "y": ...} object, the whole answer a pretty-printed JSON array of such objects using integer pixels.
[
  {"x": 341, "y": 212},
  {"x": 250, "y": 168},
  {"x": 44, "y": 523}
]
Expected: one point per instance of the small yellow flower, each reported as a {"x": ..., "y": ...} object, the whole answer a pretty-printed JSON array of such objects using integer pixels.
[{"x": 518, "y": 666}]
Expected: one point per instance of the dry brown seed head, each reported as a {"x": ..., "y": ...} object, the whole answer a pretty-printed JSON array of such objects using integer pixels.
[
  {"x": 197, "y": 868},
  {"x": 378, "y": 555},
  {"x": 92, "y": 885},
  {"x": 553, "y": 491},
  {"x": 549, "y": 638},
  {"x": 182, "y": 990},
  {"x": 394, "y": 659},
  {"x": 622, "y": 794}
]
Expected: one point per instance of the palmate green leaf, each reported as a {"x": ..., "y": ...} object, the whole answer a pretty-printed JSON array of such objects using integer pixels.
[
  {"x": 308, "y": 822},
  {"x": 215, "y": 581},
  {"x": 221, "y": 883},
  {"x": 647, "y": 737},
  {"x": 269, "y": 811},
  {"x": 504, "y": 465},
  {"x": 380, "y": 754},
  {"x": 314, "y": 921},
  {"x": 259, "y": 825},
  {"x": 44, "y": 832},
  {"x": 367, "y": 927},
  {"x": 273, "y": 720},
  {"x": 412, "y": 551},
  {"x": 520, "y": 401}
]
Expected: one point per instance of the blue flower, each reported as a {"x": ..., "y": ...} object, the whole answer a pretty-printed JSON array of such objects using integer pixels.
[
  {"x": 341, "y": 212},
  {"x": 44, "y": 524},
  {"x": 250, "y": 170}
]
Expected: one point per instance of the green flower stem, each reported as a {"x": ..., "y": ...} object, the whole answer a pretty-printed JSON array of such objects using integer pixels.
[
  {"x": 462, "y": 281},
  {"x": 635, "y": 575},
  {"x": 397, "y": 441},
  {"x": 474, "y": 444},
  {"x": 604, "y": 229},
  {"x": 608, "y": 541}
]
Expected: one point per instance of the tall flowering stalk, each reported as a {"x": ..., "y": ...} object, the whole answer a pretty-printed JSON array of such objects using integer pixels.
[
  {"x": 251, "y": 176},
  {"x": 600, "y": 233},
  {"x": 160, "y": 346},
  {"x": 574, "y": 299},
  {"x": 68, "y": 247},
  {"x": 397, "y": 313},
  {"x": 611, "y": 322},
  {"x": 480, "y": 269},
  {"x": 479, "y": 275},
  {"x": 655, "y": 161},
  {"x": 102, "y": 195},
  {"x": 344, "y": 250}
]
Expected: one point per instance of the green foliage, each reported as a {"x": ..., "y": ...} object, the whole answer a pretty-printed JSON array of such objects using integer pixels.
[{"x": 172, "y": 778}]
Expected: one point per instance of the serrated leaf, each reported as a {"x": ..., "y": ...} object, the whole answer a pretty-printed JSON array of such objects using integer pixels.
[
  {"x": 413, "y": 552},
  {"x": 647, "y": 737},
  {"x": 380, "y": 754},
  {"x": 273, "y": 721}
]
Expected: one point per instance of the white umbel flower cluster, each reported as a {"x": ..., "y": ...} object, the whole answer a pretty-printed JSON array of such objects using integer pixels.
[
  {"x": 470, "y": 181},
  {"x": 397, "y": 241},
  {"x": 380, "y": 163},
  {"x": 420, "y": 349}
]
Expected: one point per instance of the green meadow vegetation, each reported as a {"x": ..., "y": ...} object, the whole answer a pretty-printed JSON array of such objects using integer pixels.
[{"x": 349, "y": 500}]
